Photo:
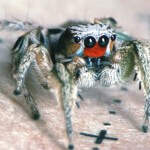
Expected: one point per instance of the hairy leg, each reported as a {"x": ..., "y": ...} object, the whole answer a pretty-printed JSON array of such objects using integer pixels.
[
  {"x": 31, "y": 57},
  {"x": 146, "y": 116},
  {"x": 20, "y": 75},
  {"x": 23, "y": 68},
  {"x": 68, "y": 92},
  {"x": 40, "y": 76},
  {"x": 31, "y": 103},
  {"x": 68, "y": 97}
]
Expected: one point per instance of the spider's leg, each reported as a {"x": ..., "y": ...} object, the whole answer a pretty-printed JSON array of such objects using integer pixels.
[
  {"x": 40, "y": 76},
  {"x": 68, "y": 97},
  {"x": 31, "y": 103},
  {"x": 80, "y": 98},
  {"x": 20, "y": 75},
  {"x": 18, "y": 51},
  {"x": 23, "y": 68},
  {"x": 146, "y": 116},
  {"x": 142, "y": 53},
  {"x": 43, "y": 67},
  {"x": 36, "y": 56},
  {"x": 68, "y": 91}
]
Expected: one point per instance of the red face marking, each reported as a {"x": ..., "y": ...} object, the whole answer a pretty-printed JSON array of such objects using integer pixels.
[{"x": 95, "y": 51}]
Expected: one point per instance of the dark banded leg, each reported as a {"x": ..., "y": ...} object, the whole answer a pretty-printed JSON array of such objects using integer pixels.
[
  {"x": 146, "y": 116},
  {"x": 68, "y": 98},
  {"x": 40, "y": 76},
  {"x": 23, "y": 68},
  {"x": 78, "y": 100},
  {"x": 20, "y": 78},
  {"x": 31, "y": 103}
]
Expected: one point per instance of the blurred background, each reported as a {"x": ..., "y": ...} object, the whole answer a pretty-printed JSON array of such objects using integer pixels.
[
  {"x": 19, "y": 132},
  {"x": 133, "y": 15}
]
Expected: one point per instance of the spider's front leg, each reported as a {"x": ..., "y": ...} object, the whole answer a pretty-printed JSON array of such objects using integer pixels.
[
  {"x": 68, "y": 95},
  {"x": 137, "y": 58},
  {"x": 133, "y": 57},
  {"x": 143, "y": 69}
]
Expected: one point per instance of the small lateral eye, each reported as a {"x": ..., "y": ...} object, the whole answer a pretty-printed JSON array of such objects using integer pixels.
[
  {"x": 76, "y": 39},
  {"x": 103, "y": 41},
  {"x": 113, "y": 37},
  {"x": 89, "y": 41}
]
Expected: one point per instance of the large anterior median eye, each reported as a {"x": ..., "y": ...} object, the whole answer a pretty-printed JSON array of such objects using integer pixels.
[
  {"x": 103, "y": 41},
  {"x": 89, "y": 41}
]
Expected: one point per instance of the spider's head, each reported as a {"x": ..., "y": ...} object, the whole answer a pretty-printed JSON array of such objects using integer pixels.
[{"x": 90, "y": 40}]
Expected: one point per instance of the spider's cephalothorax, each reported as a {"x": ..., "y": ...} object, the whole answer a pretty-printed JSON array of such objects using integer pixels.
[
  {"x": 91, "y": 40},
  {"x": 63, "y": 61}
]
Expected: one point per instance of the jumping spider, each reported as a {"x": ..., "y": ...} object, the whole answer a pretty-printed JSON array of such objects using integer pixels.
[{"x": 67, "y": 59}]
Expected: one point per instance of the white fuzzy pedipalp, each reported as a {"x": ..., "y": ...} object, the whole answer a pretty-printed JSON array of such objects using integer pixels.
[{"x": 86, "y": 78}]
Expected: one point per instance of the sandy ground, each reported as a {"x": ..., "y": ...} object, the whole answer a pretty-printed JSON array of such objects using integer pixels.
[{"x": 20, "y": 132}]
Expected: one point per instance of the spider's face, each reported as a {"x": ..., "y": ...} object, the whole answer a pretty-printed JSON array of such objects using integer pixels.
[{"x": 91, "y": 40}]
